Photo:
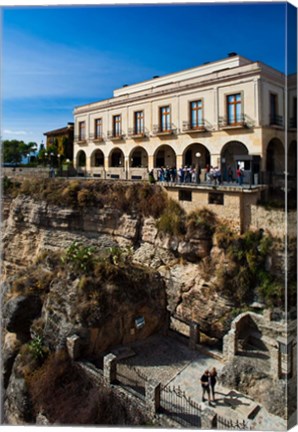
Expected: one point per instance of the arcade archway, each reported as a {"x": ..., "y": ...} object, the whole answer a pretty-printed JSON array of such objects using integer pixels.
[
  {"x": 229, "y": 153},
  {"x": 97, "y": 159},
  {"x": 81, "y": 159},
  {"x": 138, "y": 158},
  {"x": 116, "y": 158},
  {"x": 189, "y": 155},
  {"x": 164, "y": 157}
]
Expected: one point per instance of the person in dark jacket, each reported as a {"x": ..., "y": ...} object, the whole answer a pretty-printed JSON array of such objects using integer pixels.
[{"x": 205, "y": 385}]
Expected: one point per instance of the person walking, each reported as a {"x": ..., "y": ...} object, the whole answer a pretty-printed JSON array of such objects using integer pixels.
[
  {"x": 213, "y": 375},
  {"x": 239, "y": 174},
  {"x": 205, "y": 385}
]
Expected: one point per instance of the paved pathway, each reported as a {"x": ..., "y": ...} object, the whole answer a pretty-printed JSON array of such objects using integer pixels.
[{"x": 170, "y": 362}]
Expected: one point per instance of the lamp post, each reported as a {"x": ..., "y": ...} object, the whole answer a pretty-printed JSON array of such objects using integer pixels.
[
  {"x": 46, "y": 158},
  {"x": 198, "y": 155},
  {"x": 58, "y": 156}
]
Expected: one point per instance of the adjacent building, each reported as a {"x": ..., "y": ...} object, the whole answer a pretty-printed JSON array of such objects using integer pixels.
[
  {"x": 229, "y": 112},
  {"x": 62, "y": 140}
]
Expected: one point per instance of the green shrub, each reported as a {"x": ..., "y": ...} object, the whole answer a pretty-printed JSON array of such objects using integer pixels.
[
  {"x": 171, "y": 221},
  {"x": 80, "y": 257},
  {"x": 203, "y": 220},
  {"x": 36, "y": 346}
]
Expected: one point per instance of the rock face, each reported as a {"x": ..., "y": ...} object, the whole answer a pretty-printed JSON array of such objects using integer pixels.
[
  {"x": 248, "y": 376},
  {"x": 165, "y": 275},
  {"x": 35, "y": 227}
]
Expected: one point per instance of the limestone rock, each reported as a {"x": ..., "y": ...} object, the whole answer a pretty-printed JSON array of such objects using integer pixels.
[
  {"x": 17, "y": 405},
  {"x": 248, "y": 376},
  {"x": 11, "y": 347}
]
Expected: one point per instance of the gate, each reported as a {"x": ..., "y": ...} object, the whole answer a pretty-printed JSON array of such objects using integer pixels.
[{"x": 175, "y": 404}]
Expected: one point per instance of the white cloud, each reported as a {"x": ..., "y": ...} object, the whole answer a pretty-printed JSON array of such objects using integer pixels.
[{"x": 16, "y": 132}]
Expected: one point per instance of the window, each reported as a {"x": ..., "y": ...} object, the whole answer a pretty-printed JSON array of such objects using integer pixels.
[
  {"x": 273, "y": 108},
  {"x": 165, "y": 119},
  {"x": 196, "y": 114},
  {"x": 185, "y": 195},
  {"x": 117, "y": 125},
  {"x": 139, "y": 122},
  {"x": 234, "y": 109},
  {"x": 82, "y": 131},
  {"x": 216, "y": 198},
  {"x": 98, "y": 128}
]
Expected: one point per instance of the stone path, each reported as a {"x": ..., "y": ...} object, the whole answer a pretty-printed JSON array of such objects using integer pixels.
[{"x": 170, "y": 362}]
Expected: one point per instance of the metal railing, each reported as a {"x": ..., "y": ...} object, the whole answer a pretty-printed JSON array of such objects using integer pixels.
[
  {"x": 137, "y": 132},
  {"x": 95, "y": 137},
  {"x": 276, "y": 120},
  {"x": 164, "y": 130},
  {"x": 116, "y": 135},
  {"x": 189, "y": 126},
  {"x": 242, "y": 120},
  {"x": 175, "y": 404},
  {"x": 80, "y": 139},
  {"x": 293, "y": 123}
]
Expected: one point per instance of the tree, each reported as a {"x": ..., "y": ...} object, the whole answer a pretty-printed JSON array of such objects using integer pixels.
[{"x": 14, "y": 150}]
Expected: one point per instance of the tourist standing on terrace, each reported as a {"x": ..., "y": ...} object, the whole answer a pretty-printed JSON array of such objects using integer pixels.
[
  {"x": 205, "y": 385},
  {"x": 213, "y": 375}
]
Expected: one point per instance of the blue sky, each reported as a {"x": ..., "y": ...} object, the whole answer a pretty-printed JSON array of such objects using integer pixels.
[{"x": 55, "y": 58}]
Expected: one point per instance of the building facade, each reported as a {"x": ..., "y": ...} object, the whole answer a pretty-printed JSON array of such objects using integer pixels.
[
  {"x": 62, "y": 140},
  {"x": 224, "y": 113}
]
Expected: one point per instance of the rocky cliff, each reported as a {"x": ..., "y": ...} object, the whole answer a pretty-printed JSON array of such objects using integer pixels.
[{"x": 87, "y": 259}]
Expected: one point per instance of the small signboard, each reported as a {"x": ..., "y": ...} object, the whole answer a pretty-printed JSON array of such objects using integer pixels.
[{"x": 139, "y": 322}]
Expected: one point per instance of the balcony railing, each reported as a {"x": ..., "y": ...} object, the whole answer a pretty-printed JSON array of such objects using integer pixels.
[
  {"x": 241, "y": 121},
  {"x": 79, "y": 139},
  {"x": 161, "y": 130},
  {"x": 293, "y": 123},
  {"x": 276, "y": 120},
  {"x": 189, "y": 127},
  {"x": 137, "y": 133},
  {"x": 96, "y": 138},
  {"x": 116, "y": 135}
]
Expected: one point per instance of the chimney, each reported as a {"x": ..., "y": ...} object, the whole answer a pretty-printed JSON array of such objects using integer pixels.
[{"x": 232, "y": 54}]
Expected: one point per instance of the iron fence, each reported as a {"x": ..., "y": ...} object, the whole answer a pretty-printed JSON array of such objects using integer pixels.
[
  {"x": 223, "y": 423},
  {"x": 175, "y": 404}
]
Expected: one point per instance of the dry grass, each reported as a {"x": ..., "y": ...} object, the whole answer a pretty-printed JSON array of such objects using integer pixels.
[{"x": 62, "y": 392}]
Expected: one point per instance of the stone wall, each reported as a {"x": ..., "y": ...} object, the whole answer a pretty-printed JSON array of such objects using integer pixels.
[
  {"x": 235, "y": 207},
  {"x": 25, "y": 172},
  {"x": 274, "y": 220}
]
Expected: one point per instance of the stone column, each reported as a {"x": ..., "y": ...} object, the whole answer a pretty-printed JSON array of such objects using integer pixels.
[
  {"x": 88, "y": 165},
  {"x": 152, "y": 396},
  {"x": 215, "y": 160},
  {"x": 73, "y": 346},
  {"x": 110, "y": 368},
  {"x": 194, "y": 335},
  {"x": 275, "y": 368},
  {"x": 230, "y": 345},
  {"x": 106, "y": 163},
  {"x": 208, "y": 419},
  {"x": 179, "y": 161},
  {"x": 150, "y": 162}
]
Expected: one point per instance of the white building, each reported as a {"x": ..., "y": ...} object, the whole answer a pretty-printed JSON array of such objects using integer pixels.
[{"x": 229, "y": 111}]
